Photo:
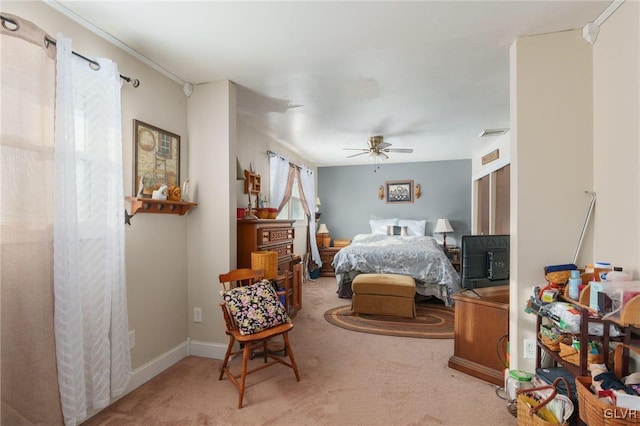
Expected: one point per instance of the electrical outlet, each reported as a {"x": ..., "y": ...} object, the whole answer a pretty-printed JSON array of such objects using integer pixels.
[
  {"x": 132, "y": 339},
  {"x": 529, "y": 349},
  {"x": 197, "y": 314}
]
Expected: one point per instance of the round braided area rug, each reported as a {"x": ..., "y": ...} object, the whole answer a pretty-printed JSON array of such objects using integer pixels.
[{"x": 432, "y": 322}]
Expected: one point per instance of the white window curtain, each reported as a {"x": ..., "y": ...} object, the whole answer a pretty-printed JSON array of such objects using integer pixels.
[
  {"x": 308, "y": 188},
  {"x": 279, "y": 179},
  {"x": 91, "y": 325}
]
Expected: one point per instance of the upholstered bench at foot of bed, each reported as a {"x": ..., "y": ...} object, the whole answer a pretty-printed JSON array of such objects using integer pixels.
[{"x": 384, "y": 294}]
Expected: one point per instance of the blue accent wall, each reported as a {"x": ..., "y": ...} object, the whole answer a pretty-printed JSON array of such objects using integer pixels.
[{"x": 349, "y": 196}]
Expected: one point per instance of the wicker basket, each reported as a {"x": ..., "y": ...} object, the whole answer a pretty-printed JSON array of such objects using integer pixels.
[
  {"x": 528, "y": 408},
  {"x": 594, "y": 412},
  {"x": 572, "y": 355},
  {"x": 558, "y": 277},
  {"x": 551, "y": 344},
  {"x": 267, "y": 261}
]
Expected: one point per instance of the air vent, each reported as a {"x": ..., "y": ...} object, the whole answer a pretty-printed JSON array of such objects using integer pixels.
[{"x": 487, "y": 133}]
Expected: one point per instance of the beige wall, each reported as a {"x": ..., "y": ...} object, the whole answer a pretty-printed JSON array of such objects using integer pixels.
[
  {"x": 616, "y": 87},
  {"x": 156, "y": 245},
  {"x": 212, "y": 226},
  {"x": 575, "y": 127},
  {"x": 551, "y": 120}
]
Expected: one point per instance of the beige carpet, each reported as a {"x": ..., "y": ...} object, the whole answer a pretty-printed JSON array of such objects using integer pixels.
[{"x": 347, "y": 378}]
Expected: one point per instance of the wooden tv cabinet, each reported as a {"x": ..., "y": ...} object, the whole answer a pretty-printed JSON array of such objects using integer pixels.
[{"x": 481, "y": 324}]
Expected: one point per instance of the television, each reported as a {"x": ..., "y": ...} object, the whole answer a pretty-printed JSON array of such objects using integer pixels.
[{"x": 484, "y": 261}]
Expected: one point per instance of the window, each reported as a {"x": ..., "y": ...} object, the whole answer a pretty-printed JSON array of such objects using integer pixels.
[{"x": 293, "y": 209}]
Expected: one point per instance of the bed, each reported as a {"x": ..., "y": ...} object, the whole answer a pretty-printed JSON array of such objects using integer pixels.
[{"x": 417, "y": 256}]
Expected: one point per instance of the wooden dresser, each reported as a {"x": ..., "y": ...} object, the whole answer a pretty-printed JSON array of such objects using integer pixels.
[{"x": 272, "y": 235}]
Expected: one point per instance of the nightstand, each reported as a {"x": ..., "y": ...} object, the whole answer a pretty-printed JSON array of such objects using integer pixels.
[
  {"x": 326, "y": 255},
  {"x": 453, "y": 253}
]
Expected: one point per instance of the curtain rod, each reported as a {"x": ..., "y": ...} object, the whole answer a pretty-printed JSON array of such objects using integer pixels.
[
  {"x": 94, "y": 65},
  {"x": 275, "y": 154}
]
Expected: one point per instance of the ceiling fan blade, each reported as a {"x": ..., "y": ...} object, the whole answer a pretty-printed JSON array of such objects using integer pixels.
[
  {"x": 386, "y": 157},
  {"x": 383, "y": 145},
  {"x": 356, "y": 149},
  {"x": 406, "y": 150},
  {"x": 360, "y": 153}
]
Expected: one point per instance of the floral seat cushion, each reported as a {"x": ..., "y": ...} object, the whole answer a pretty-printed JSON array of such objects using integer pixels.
[{"x": 255, "y": 307}]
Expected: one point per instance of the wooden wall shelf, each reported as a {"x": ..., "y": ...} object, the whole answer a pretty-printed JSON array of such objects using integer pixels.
[
  {"x": 148, "y": 205},
  {"x": 253, "y": 180}
]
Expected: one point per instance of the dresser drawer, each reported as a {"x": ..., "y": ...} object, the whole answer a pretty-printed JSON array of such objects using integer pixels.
[
  {"x": 266, "y": 236},
  {"x": 283, "y": 250}
]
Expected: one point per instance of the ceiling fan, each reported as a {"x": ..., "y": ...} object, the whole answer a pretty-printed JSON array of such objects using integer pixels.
[{"x": 378, "y": 148}]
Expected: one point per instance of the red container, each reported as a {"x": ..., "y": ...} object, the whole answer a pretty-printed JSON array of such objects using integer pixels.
[{"x": 240, "y": 213}]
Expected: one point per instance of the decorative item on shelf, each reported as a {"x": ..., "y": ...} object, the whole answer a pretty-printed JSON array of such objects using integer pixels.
[
  {"x": 381, "y": 192},
  {"x": 442, "y": 227},
  {"x": 418, "y": 191},
  {"x": 267, "y": 261},
  {"x": 160, "y": 193},
  {"x": 185, "y": 190},
  {"x": 249, "y": 212},
  {"x": 140, "y": 187},
  {"x": 175, "y": 193},
  {"x": 322, "y": 236}
]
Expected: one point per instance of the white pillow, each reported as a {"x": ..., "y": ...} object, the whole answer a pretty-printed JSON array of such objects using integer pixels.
[
  {"x": 379, "y": 226},
  {"x": 414, "y": 227}
]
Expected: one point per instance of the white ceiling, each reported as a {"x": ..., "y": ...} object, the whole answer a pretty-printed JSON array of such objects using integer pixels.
[{"x": 319, "y": 76}]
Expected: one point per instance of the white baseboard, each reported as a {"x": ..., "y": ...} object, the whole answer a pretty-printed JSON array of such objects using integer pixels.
[
  {"x": 207, "y": 349},
  {"x": 151, "y": 369}
]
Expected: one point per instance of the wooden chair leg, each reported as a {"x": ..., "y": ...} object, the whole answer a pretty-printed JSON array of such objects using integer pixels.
[
  {"x": 226, "y": 357},
  {"x": 246, "y": 352},
  {"x": 289, "y": 352},
  {"x": 264, "y": 350}
]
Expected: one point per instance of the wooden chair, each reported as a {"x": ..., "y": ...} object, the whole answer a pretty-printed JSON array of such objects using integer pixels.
[{"x": 249, "y": 341}]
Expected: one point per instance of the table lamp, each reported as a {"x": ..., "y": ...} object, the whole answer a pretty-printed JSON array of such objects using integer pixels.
[
  {"x": 323, "y": 232},
  {"x": 442, "y": 227}
]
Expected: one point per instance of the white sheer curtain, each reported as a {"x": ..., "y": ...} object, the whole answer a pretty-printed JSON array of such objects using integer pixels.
[
  {"x": 278, "y": 180},
  {"x": 91, "y": 325},
  {"x": 308, "y": 187}
]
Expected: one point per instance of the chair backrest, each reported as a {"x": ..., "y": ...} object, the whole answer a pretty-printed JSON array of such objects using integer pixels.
[
  {"x": 240, "y": 277},
  {"x": 233, "y": 279}
]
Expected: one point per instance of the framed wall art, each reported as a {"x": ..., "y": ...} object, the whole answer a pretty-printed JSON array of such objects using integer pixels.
[
  {"x": 156, "y": 156},
  {"x": 399, "y": 191}
]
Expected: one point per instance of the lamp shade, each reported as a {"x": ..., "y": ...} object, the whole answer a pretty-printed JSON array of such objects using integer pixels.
[
  {"x": 442, "y": 226},
  {"x": 317, "y": 201},
  {"x": 322, "y": 229}
]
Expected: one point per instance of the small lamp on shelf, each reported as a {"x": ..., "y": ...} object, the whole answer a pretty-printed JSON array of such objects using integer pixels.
[
  {"x": 442, "y": 227},
  {"x": 323, "y": 237}
]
